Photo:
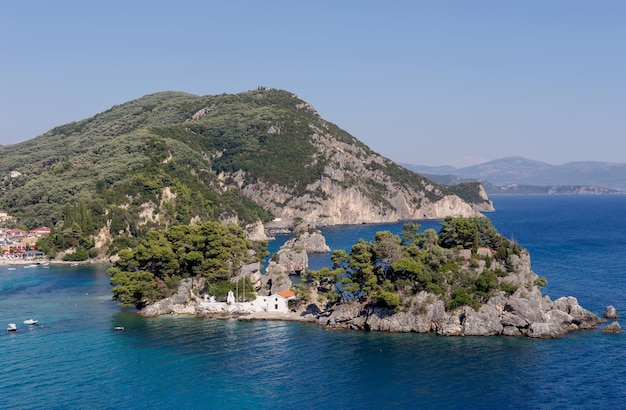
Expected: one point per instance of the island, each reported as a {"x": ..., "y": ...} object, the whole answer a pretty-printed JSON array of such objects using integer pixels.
[{"x": 466, "y": 279}]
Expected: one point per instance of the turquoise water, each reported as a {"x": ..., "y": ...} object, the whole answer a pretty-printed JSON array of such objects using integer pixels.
[{"x": 75, "y": 359}]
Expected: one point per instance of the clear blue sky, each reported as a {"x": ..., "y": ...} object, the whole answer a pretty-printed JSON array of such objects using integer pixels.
[{"x": 423, "y": 82}]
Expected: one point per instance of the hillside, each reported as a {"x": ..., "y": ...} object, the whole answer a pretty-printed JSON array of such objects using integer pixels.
[
  {"x": 173, "y": 158},
  {"x": 522, "y": 171}
]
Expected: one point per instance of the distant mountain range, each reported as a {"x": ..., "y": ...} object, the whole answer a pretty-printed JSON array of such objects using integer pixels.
[{"x": 521, "y": 175}]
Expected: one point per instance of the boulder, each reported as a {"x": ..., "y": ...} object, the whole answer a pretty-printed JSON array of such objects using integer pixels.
[
  {"x": 513, "y": 320},
  {"x": 584, "y": 319},
  {"x": 451, "y": 328},
  {"x": 521, "y": 310},
  {"x": 511, "y": 331},
  {"x": 544, "y": 330},
  {"x": 612, "y": 328},
  {"x": 610, "y": 312},
  {"x": 580, "y": 316},
  {"x": 485, "y": 322}
]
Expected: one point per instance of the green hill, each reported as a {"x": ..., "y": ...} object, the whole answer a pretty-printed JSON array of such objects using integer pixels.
[{"x": 174, "y": 158}]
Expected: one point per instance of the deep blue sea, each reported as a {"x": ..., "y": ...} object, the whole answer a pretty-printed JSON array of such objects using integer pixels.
[{"x": 75, "y": 360}]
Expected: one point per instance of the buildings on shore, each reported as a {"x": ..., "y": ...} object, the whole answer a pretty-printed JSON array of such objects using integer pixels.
[{"x": 17, "y": 243}]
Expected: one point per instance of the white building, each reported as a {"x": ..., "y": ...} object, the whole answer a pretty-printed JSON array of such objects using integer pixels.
[{"x": 278, "y": 302}]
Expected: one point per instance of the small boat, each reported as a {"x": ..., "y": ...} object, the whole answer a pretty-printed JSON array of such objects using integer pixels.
[
  {"x": 119, "y": 327},
  {"x": 12, "y": 327},
  {"x": 31, "y": 322}
]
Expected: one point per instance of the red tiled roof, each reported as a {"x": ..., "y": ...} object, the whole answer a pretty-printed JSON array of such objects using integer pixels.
[
  {"x": 19, "y": 231},
  {"x": 286, "y": 294},
  {"x": 42, "y": 229}
]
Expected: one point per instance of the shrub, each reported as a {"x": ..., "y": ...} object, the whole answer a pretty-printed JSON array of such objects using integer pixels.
[
  {"x": 386, "y": 298},
  {"x": 541, "y": 282},
  {"x": 461, "y": 297},
  {"x": 78, "y": 256},
  {"x": 508, "y": 288}
]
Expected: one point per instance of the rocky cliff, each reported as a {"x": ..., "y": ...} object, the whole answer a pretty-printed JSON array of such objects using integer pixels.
[
  {"x": 524, "y": 313},
  {"x": 359, "y": 186}
]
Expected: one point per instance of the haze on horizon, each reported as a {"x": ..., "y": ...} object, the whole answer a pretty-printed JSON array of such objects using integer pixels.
[{"x": 455, "y": 83}]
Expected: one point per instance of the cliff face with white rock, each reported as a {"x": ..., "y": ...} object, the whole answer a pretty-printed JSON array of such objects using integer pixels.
[{"x": 359, "y": 186}]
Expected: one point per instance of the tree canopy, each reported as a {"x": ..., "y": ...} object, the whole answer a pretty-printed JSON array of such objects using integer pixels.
[
  {"x": 393, "y": 267},
  {"x": 151, "y": 270}
]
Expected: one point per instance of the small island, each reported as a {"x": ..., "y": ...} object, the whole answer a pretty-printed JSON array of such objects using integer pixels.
[{"x": 467, "y": 279}]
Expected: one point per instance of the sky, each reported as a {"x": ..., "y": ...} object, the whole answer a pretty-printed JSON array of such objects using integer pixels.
[{"x": 420, "y": 82}]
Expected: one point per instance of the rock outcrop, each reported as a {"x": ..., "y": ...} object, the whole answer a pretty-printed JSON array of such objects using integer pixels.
[
  {"x": 612, "y": 328},
  {"x": 524, "y": 313},
  {"x": 256, "y": 232},
  {"x": 275, "y": 280},
  {"x": 513, "y": 316},
  {"x": 182, "y": 302},
  {"x": 309, "y": 238},
  {"x": 292, "y": 258},
  {"x": 253, "y": 272},
  {"x": 610, "y": 312}
]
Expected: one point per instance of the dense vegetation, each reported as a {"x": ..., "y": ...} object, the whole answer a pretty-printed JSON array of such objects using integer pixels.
[
  {"x": 210, "y": 251},
  {"x": 392, "y": 268},
  {"x": 172, "y": 158}
]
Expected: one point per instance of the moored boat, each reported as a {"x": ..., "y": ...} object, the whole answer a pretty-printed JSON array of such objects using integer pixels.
[
  {"x": 31, "y": 322},
  {"x": 12, "y": 327}
]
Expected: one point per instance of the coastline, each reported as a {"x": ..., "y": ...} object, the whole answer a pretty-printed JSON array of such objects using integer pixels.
[
  {"x": 281, "y": 316},
  {"x": 22, "y": 262}
]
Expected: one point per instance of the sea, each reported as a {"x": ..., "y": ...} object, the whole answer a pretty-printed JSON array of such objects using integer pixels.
[{"x": 75, "y": 359}]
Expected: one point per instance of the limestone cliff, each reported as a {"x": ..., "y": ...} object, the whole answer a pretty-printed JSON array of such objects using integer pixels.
[{"x": 360, "y": 186}]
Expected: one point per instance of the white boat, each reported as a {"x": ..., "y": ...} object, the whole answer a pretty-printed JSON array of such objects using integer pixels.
[
  {"x": 12, "y": 327},
  {"x": 31, "y": 322}
]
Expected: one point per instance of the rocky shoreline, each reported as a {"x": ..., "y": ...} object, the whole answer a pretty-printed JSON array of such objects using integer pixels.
[
  {"x": 532, "y": 315},
  {"x": 524, "y": 312}
]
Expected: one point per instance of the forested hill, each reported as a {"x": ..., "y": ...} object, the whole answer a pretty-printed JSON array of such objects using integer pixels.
[{"x": 173, "y": 158}]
